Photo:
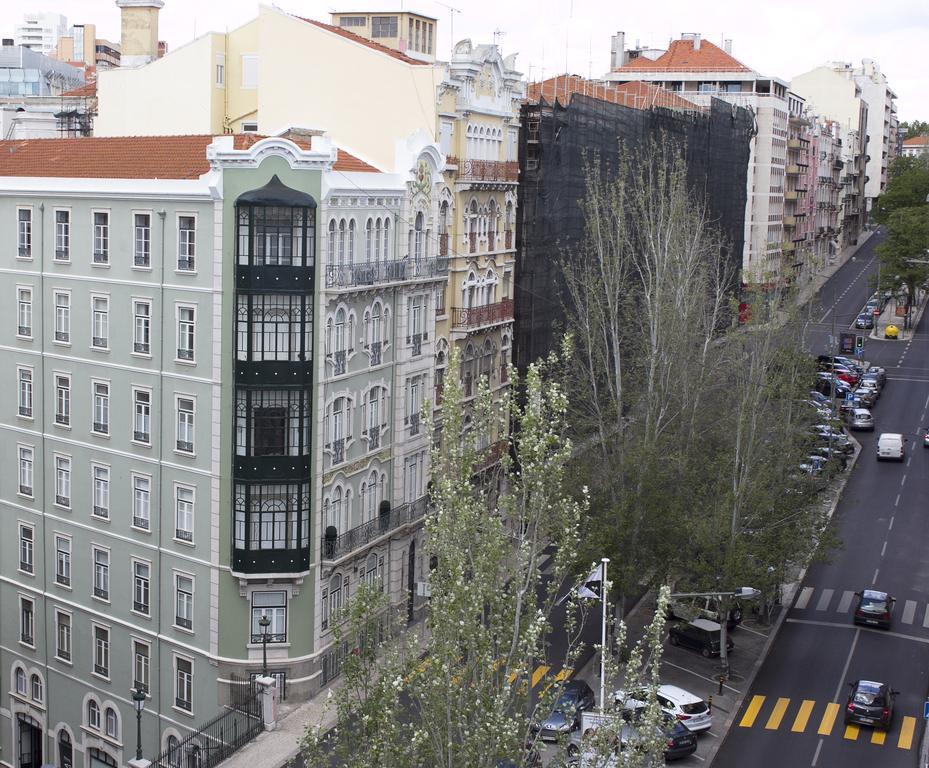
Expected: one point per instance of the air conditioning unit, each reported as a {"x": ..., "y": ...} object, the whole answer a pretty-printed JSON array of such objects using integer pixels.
[{"x": 423, "y": 589}]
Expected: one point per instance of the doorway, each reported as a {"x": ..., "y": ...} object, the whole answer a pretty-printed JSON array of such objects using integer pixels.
[{"x": 30, "y": 742}]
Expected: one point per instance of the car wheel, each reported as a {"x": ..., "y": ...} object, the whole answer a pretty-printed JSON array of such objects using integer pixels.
[
  {"x": 705, "y": 652},
  {"x": 673, "y": 639}
]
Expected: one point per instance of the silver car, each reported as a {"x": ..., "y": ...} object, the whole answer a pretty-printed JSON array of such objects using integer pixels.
[
  {"x": 861, "y": 419},
  {"x": 867, "y": 396}
]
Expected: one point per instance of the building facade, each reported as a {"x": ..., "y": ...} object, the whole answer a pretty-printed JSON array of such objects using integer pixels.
[
  {"x": 881, "y": 127},
  {"x": 40, "y": 31},
  {"x": 915, "y": 146},
  {"x": 24, "y": 73}
]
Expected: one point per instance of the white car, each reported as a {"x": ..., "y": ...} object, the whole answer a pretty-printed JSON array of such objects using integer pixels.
[
  {"x": 890, "y": 446},
  {"x": 861, "y": 419},
  {"x": 691, "y": 710}
]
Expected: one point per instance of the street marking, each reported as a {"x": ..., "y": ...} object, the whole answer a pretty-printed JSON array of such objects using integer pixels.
[
  {"x": 836, "y": 625},
  {"x": 805, "y": 594},
  {"x": 909, "y": 459},
  {"x": 903, "y": 481},
  {"x": 926, "y": 618},
  {"x": 803, "y": 716},
  {"x": 714, "y": 680},
  {"x": 777, "y": 714},
  {"x": 788, "y": 593},
  {"x": 825, "y": 725},
  {"x": 848, "y": 661},
  {"x": 846, "y": 601},
  {"x": 878, "y": 736},
  {"x": 906, "y": 733},
  {"x": 538, "y": 674},
  {"x": 891, "y": 526},
  {"x": 884, "y": 548},
  {"x": 897, "y": 500},
  {"x": 909, "y": 611},
  {"x": 751, "y": 712},
  {"x": 564, "y": 674},
  {"x": 824, "y": 599},
  {"x": 874, "y": 580},
  {"x": 851, "y": 732},
  {"x": 816, "y": 754}
]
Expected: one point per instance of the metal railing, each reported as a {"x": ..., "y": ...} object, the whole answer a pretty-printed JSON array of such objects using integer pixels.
[
  {"x": 486, "y": 170},
  {"x": 185, "y": 263},
  {"x": 101, "y": 257},
  {"x": 338, "y": 450},
  {"x": 361, "y": 535},
  {"x": 473, "y": 317},
  {"x": 375, "y": 272}
]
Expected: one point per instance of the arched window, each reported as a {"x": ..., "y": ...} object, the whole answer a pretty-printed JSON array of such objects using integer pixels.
[
  {"x": 174, "y": 751},
  {"x": 373, "y": 329},
  {"x": 490, "y": 287},
  {"x": 418, "y": 235},
  {"x": 443, "y": 228},
  {"x": 467, "y": 371},
  {"x": 492, "y": 226},
  {"x": 377, "y": 241},
  {"x": 65, "y": 750},
  {"x": 330, "y": 243},
  {"x": 371, "y": 573},
  {"x": 469, "y": 291},
  {"x": 339, "y": 340},
  {"x": 111, "y": 719},
  {"x": 341, "y": 242},
  {"x": 369, "y": 245},
  {"x": 351, "y": 241},
  {"x": 36, "y": 689},
  {"x": 335, "y": 595},
  {"x": 335, "y": 508},
  {"x": 93, "y": 715},
  {"x": 386, "y": 239},
  {"x": 21, "y": 687}
]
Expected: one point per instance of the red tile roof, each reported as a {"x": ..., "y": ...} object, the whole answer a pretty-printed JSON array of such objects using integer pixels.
[
  {"x": 365, "y": 42},
  {"x": 127, "y": 157},
  {"x": 635, "y": 94},
  {"x": 682, "y": 57},
  {"x": 88, "y": 90},
  {"x": 916, "y": 141}
]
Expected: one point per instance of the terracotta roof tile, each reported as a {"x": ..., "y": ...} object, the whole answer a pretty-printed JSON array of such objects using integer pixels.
[
  {"x": 365, "y": 42},
  {"x": 347, "y": 162},
  {"x": 681, "y": 57},
  {"x": 916, "y": 141},
  {"x": 635, "y": 94},
  {"x": 88, "y": 89}
]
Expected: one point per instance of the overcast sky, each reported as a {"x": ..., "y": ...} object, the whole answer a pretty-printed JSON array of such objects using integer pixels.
[{"x": 781, "y": 38}]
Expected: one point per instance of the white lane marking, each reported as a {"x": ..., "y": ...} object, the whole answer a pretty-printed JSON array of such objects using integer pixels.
[
  {"x": 846, "y": 601},
  {"x": 816, "y": 754},
  {"x": 926, "y": 618},
  {"x": 909, "y": 459},
  {"x": 903, "y": 481},
  {"x": 927, "y": 403},
  {"x": 884, "y": 548},
  {"x": 891, "y": 526},
  {"x": 897, "y": 500},
  {"x": 743, "y": 628},
  {"x": 874, "y": 580},
  {"x": 909, "y": 611},
  {"x": 824, "y": 599},
  {"x": 805, "y": 594},
  {"x": 701, "y": 759},
  {"x": 846, "y": 625},
  {"x": 848, "y": 660}
]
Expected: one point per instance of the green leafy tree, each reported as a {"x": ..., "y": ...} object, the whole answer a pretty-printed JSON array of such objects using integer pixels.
[
  {"x": 905, "y": 252},
  {"x": 915, "y": 128},
  {"x": 908, "y": 187}
]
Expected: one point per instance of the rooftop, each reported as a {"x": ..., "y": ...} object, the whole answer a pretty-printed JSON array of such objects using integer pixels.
[
  {"x": 637, "y": 95},
  {"x": 684, "y": 56},
  {"x": 916, "y": 141},
  {"x": 365, "y": 42}
]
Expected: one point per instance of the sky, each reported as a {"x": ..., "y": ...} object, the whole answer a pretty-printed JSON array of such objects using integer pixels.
[{"x": 780, "y": 38}]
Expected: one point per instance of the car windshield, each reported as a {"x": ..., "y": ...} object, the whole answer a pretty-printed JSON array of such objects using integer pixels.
[
  {"x": 869, "y": 695},
  {"x": 567, "y": 701},
  {"x": 874, "y": 602},
  {"x": 695, "y": 708}
]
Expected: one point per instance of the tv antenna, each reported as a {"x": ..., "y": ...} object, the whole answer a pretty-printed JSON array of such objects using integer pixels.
[{"x": 451, "y": 21}]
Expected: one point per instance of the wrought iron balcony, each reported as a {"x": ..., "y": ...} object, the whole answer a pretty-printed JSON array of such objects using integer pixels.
[
  {"x": 374, "y": 349},
  {"x": 337, "y": 547},
  {"x": 24, "y": 330},
  {"x": 377, "y": 272},
  {"x": 337, "y": 447},
  {"x": 338, "y": 363},
  {"x": 374, "y": 437},
  {"x": 486, "y": 170},
  {"x": 185, "y": 263},
  {"x": 476, "y": 317},
  {"x": 101, "y": 257}
]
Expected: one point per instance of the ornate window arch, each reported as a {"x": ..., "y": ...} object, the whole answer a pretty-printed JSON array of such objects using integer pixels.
[
  {"x": 375, "y": 415},
  {"x": 36, "y": 688},
  {"x": 341, "y": 242},
  {"x": 20, "y": 680},
  {"x": 92, "y": 714},
  {"x": 469, "y": 290},
  {"x": 377, "y": 239},
  {"x": 386, "y": 239},
  {"x": 173, "y": 748},
  {"x": 492, "y": 224},
  {"x": 419, "y": 234},
  {"x": 351, "y": 241}
]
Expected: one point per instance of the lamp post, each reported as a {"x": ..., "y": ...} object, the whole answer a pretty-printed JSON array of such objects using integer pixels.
[
  {"x": 264, "y": 622},
  {"x": 138, "y": 701}
]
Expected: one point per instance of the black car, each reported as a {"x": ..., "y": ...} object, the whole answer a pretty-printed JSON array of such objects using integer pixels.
[
  {"x": 864, "y": 320},
  {"x": 699, "y": 635},
  {"x": 679, "y": 741},
  {"x": 874, "y": 608},
  {"x": 870, "y": 703},
  {"x": 576, "y": 696},
  {"x": 834, "y": 387}
]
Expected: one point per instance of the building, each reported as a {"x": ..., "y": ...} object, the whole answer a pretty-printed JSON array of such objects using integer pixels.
[
  {"x": 825, "y": 198},
  {"x": 24, "y": 72},
  {"x": 566, "y": 121},
  {"x": 881, "y": 128},
  {"x": 700, "y": 71},
  {"x": 918, "y": 145},
  {"x": 40, "y": 31},
  {"x": 409, "y": 33},
  {"x": 81, "y": 45}
]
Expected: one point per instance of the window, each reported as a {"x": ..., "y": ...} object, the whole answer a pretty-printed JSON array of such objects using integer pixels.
[
  {"x": 186, "y": 243},
  {"x": 142, "y": 240},
  {"x": 21, "y": 688},
  {"x": 63, "y": 636},
  {"x": 25, "y": 470},
  {"x": 183, "y": 601},
  {"x": 248, "y": 127},
  {"x": 384, "y": 26},
  {"x": 142, "y": 416},
  {"x": 112, "y": 723},
  {"x": 63, "y": 317},
  {"x": 141, "y": 587},
  {"x": 26, "y": 621},
  {"x": 185, "y": 425},
  {"x": 220, "y": 74},
  {"x": 24, "y": 216},
  {"x": 93, "y": 715},
  {"x": 336, "y": 598},
  {"x": 101, "y": 491},
  {"x": 353, "y": 21},
  {"x": 272, "y": 516},
  {"x": 63, "y": 400},
  {"x": 337, "y": 428},
  {"x": 101, "y": 237},
  {"x": 272, "y": 422},
  {"x": 63, "y": 561},
  {"x": 101, "y": 573},
  {"x": 101, "y": 416},
  {"x": 26, "y": 549},
  {"x": 25, "y": 392},
  {"x": 63, "y": 481},
  {"x": 183, "y": 685},
  {"x": 414, "y": 403},
  {"x": 141, "y": 666},
  {"x": 24, "y": 312},
  {"x": 374, "y": 416},
  {"x": 100, "y": 331},
  {"x": 101, "y": 655},
  {"x": 141, "y": 501},
  {"x": 62, "y": 235},
  {"x": 185, "y": 333},
  {"x": 38, "y": 693},
  {"x": 142, "y": 327},
  {"x": 250, "y": 71},
  {"x": 274, "y": 606},
  {"x": 184, "y": 514}
]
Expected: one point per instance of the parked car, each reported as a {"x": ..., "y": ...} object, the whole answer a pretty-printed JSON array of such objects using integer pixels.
[
  {"x": 861, "y": 420},
  {"x": 870, "y": 703},
  {"x": 874, "y": 379},
  {"x": 890, "y": 446},
  {"x": 867, "y": 396},
  {"x": 683, "y": 705},
  {"x": 827, "y": 385},
  {"x": 838, "y": 458},
  {"x": 865, "y": 320},
  {"x": 700, "y": 635},
  {"x": 849, "y": 404},
  {"x": 820, "y": 398},
  {"x": 576, "y": 696},
  {"x": 874, "y": 608},
  {"x": 814, "y": 465},
  {"x": 876, "y": 370},
  {"x": 690, "y": 608}
]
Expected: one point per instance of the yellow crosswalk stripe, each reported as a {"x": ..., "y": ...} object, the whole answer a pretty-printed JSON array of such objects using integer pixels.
[
  {"x": 906, "y": 733},
  {"x": 538, "y": 674},
  {"x": 878, "y": 736},
  {"x": 751, "y": 712},
  {"x": 803, "y": 716},
  {"x": 851, "y": 732},
  {"x": 825, "y": 725},
  {"x": 777, "y": 714},
  {"x": 511, "y": 678},
  {"x": 564, "y": 674}
]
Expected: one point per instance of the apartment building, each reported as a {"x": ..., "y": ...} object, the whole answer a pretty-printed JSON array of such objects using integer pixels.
[
  {"x": 881, "y": 127},
  {"x": 700, "y": 71},
  {"x": 40, "y": 31}
]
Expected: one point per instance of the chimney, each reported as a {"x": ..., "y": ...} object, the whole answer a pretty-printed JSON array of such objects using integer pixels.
[
  {"x": 727, "y": 45},
  {"x": 617, "y": 50},
  {"x": 697, "y": 41},
  {"x": 139, "y": 31}
]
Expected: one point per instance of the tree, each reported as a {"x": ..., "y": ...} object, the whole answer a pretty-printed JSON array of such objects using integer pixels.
[
  {"x": 905, "y": 252},
  {"x": 914, "y": 128},
  {"x": 908, "y": 187}
]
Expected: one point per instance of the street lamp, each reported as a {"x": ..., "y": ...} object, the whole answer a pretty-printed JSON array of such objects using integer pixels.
[
  {"x": 264, "y": 622},
  {"x": 138, "y": 701}
]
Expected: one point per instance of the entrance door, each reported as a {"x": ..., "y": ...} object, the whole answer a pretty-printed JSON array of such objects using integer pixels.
[
  {"x": 411, "y": 582},
  {"x": 65, "y": 750},
  {"x": 30, "y": 742}
]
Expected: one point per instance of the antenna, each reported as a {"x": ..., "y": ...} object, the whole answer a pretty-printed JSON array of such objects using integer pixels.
[
  {"x": 451, "y": 23},
  {"x": 498, "y": 33}
]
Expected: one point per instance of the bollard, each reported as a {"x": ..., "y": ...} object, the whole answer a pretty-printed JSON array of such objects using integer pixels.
[
  {"x": 722, "y": 679},
  {"x": 709, "y": 702}
]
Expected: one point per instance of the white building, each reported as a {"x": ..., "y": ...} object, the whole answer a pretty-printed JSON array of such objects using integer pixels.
[
  {"x": 882, "y": 126},
  {"x": 40, "y": 31},
  {"x": 918, "y": 145}
]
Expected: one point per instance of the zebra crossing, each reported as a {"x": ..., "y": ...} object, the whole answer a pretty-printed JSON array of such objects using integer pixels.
[
  {"x": 782, "y": 712},
  {"x": 905, "y": 611}
]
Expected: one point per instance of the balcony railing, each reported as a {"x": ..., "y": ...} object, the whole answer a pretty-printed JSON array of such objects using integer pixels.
[
  {"x": 375, "y": 272},
  {"x": 486, "y": 170},
  {"x": 361, "y": 535},
  {"x": 375, "y": 351},
  {"x": 443, "y": 244},
  {"x": 338, "y": 363},
  {"x": 792, "y": 170},
  {"x": 474, "y": 317},
  {"x": 413, "y": 421},
  {"x": 338, "y": 450},
  {"x": 374, "y": 437}
]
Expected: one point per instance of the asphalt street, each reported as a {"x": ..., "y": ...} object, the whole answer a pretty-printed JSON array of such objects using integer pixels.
[{"x": 793, "y": 714}]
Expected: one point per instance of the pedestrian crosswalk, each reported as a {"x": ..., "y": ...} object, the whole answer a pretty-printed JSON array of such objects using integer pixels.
[
  {"x": 774, "y": 714},
  {"x": 836, "y": 601}
]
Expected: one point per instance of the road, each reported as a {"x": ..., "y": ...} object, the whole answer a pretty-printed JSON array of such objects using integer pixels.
[{"x": 792, "y": 716}]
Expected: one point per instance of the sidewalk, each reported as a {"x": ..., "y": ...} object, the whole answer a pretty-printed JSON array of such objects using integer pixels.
[{"x": 889, "y": 317}]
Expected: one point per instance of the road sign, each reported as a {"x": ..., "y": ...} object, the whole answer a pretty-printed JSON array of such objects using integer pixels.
[
  {"x": 849, "y": 396},
  {"x": 926, "y": 710}
]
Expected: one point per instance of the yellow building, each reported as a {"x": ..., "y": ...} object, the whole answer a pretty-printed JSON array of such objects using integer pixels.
[{"x": 409, "y": 33}]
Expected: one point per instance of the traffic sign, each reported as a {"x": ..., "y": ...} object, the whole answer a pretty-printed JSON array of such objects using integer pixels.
[
  {"x": 926, "y": 710},
  {"x": 849, "y": 396}
]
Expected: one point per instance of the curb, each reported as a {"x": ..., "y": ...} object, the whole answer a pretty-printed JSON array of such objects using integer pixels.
[{"x": 711, "y": 755}]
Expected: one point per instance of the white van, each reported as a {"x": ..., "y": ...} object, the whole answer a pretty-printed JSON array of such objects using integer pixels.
[{"x": 890, "y": 446}]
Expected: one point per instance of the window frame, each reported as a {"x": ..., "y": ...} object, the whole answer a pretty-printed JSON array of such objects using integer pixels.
[
  {"x": 147, "y": 440},
  {"x": 184, "y": 598},
  {"x": 136, "y": 681},
  {"x": 186, "y": 332},
  {"x": 26, "y": 548},
  {"x": 63, "y": 579},
  {"x": 24, "y": 246},
  {"x": 257, "y": 611},
  {"x": 67, "y": 656},
  {"x": 135, "y": 517},
  {"x": 26, "y": 616},
  {"x": 100, "y": 591},
  {"x": 141, "y": 586},
  {"x": 104, "y": 318},
  {"x": 100, "y": 258},
  {"x": 107, "y": 650},
  {"x": 62, "y": 383},
  {"x": 62, "y": 336},
  {"x": 57, "y": 251},
  {"x": 25, "y": 392},
  {"x": 105, "y": 408},
  {"x": 20, "y": 454},
  {"x": 146, "y": 263},
  {"x": 181, "y": 446},
  {"x": 139, "y": 301},
  {"x": 178, "y": 531},
  {"x": 61, "y": 500},
  {"x": 104, "y": 514},
  {"x": 178, "y": 701},
  {"x": 24, "y": 303},
  {"x": 190, "y": 243}
]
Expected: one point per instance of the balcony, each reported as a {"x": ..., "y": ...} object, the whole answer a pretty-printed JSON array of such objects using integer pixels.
[
  {"x": 337, "y": 447},
  {"x": 790, "y": 221},
  {"x": 374, "y": 349},
  {"x": 793, "y": 170},
  {"x": 443, "y": 244},
  {"x": 379, "y": 272},
  {"x": 794, "y": 144},
  {"x": 466, "y": 318},
  {"x": 486, "y": 170},
  {"x": 336, "y": 547}
]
